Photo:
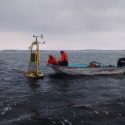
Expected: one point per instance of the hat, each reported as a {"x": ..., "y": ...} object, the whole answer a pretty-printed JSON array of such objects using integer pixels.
[
  {"x": 61, "y": 51},
  {"x": 50, "y": 55}
]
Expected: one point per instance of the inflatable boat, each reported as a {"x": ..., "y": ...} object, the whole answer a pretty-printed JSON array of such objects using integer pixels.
[{"x": 97, "y": 69}]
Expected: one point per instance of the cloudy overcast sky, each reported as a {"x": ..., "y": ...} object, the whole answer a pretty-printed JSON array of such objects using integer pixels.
[{"x": 65, "y": 24}]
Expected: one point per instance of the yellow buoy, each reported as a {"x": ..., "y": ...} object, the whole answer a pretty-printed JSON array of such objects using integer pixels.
[{"x": 34, "y": 61}]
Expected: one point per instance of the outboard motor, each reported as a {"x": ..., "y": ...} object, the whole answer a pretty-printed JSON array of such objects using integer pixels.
[{"x": 121, "y": 62}]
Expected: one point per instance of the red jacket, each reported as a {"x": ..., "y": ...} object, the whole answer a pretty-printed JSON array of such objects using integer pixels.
[
  {"x": 52, "y": 60},
  {"x": 64, "y": 57}
]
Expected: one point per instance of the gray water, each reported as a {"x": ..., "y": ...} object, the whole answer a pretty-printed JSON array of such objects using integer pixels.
[{"x": 60, "y": 100}]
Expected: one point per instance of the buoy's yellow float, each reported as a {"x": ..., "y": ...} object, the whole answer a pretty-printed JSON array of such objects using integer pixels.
[{"x": 34, "y": 61}]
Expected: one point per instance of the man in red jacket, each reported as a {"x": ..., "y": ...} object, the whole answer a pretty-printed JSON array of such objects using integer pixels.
[
  {"x": 64, "y": 58},
  {"x": 52, "y": 60}
]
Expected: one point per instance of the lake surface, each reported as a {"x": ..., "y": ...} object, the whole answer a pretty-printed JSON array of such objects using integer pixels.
[{"x": 60, "y": 100}]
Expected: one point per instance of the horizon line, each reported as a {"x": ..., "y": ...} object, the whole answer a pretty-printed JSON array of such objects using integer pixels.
[{"x": 65, "y": 49}]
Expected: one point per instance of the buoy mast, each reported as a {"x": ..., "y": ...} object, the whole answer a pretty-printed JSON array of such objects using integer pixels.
[{"x": 34, "y": 62}]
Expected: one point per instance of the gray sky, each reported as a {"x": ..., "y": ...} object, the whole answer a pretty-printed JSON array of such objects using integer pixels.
[{"x": 65, "y": 24}]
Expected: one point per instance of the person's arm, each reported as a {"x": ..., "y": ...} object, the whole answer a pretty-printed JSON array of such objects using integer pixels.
[
  {"x": 49, "y": 62},
  {"x": 62, "y": 57}
]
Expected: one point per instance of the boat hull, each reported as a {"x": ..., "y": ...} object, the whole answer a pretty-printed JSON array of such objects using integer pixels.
[{"x": 88, "y": 70}]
